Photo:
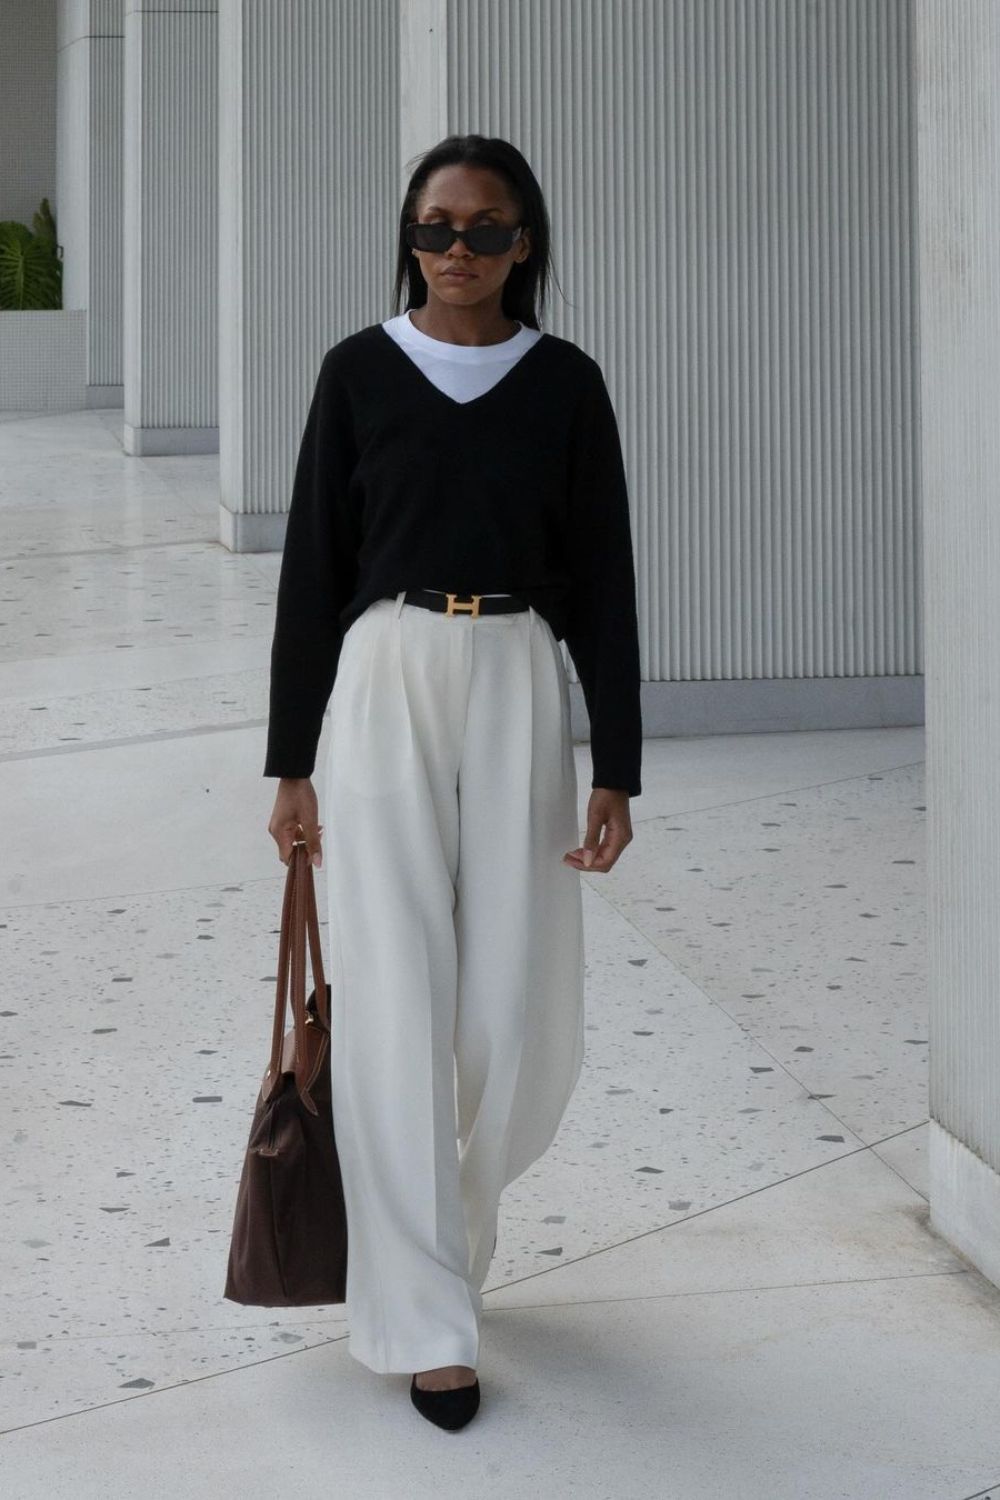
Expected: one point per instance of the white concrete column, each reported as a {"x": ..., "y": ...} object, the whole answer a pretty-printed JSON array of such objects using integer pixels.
[
  {"x": 88, "y": 204},
  {"x": 308, "y": 201},
  {"x": 958, "y": 82},
  {"x": 170, "y": 227}
]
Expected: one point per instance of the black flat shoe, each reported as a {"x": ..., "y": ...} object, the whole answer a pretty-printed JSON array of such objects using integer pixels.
[{"x": 448, "y": 1409}]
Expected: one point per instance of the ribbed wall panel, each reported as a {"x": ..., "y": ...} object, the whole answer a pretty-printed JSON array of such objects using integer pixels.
[
  {"x": 104, "y": 325},
  {"x": 309, "y": 198},
  {"x": 731, "y": 191},
  {"x": 88, "y": 199},
  {"x": 959, "y": 131},
  {"x": 107, "y": 17},
  {"x": 72, "y": 196},
  {"x": 170, "y": 210}
]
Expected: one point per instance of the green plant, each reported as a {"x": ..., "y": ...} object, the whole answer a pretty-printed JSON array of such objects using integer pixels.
[{"x": 30, "y": 266}]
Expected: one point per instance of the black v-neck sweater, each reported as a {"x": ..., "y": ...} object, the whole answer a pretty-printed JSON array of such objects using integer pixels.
[{"x": 521, "y": 490}]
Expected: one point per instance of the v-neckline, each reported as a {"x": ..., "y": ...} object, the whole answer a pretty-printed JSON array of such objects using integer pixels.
[{"x": 443, "y": 395}]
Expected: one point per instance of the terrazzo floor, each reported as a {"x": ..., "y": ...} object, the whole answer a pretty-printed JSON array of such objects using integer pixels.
[{"x": 720, "y": 1280}]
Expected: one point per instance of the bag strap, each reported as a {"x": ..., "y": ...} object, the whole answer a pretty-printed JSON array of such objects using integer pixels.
[
  {"x": 316, "y": 948},
  {"x": 299, "y": 920}
]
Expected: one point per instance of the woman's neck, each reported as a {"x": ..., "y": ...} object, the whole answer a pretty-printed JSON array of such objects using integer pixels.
[{"x": 471, "y": 326}]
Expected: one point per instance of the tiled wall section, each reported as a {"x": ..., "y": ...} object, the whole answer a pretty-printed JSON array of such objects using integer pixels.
[
  {"x": 27, "y": 107},
  {"x": 43, "y": 361}
]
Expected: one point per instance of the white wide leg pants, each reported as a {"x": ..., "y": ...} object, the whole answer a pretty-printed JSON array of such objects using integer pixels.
[{"x": 456, "y": 955}]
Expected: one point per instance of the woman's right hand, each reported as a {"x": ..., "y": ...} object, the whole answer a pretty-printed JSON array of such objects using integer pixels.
[{"x": 295, "y": 808}]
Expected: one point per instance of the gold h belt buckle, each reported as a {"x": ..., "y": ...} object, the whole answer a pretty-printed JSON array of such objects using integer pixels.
[{"x": 472, "y": 609}]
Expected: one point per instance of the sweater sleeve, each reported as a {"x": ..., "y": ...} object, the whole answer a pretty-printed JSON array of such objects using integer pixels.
[
  {"x": 317, "y": 579},
  {"x": 603, "y": 634}
]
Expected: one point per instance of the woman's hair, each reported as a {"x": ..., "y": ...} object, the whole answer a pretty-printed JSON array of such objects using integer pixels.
[{"x": 524, "y": 290}]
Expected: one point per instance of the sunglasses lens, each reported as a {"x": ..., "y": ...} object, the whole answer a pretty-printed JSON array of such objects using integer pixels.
[
  {"x": 489, "y": 239},
  {"x": 484, "y": 239},
  {"x": 429, "y": 236}
]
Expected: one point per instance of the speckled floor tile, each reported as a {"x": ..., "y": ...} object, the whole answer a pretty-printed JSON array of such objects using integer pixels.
[
  {"x": 802, "y": 916},
  {"x": 870, "y": 1390},
  {"x": 153, "y": 517},
  {"x": 40, "y": 722},
  {"x": 152, "y": 595},
  {"x": 853, "y": 1219},
  {"x": 100, "y": 481},
  {"x": 699, "y": 773},
  {"x": 907, "y": 1155},
  {"x": 48, "y": 435},
  {"x": 678, "y": 1108},
  {"x": 66, "y": 485},
  {"x": 59, "y": 1372},
  {"x": 121, "y": 1162}
]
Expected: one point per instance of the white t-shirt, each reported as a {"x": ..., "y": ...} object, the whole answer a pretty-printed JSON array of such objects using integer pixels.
[{"x": 462, "y": 371}]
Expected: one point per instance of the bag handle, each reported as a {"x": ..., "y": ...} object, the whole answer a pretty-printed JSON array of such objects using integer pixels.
[
  {"x": 299, "y": 919},
  {"x": 315, "y": 949}
]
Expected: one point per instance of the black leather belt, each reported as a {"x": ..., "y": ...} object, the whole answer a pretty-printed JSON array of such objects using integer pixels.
[{"x": 471, "y": 604}]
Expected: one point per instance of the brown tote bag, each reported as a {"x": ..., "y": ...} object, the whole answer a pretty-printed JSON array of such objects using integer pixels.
[{"x": 289, "y": 1239}]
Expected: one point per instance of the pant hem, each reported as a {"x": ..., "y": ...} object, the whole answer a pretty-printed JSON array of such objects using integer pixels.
[{"x": 397, "y": 1362}]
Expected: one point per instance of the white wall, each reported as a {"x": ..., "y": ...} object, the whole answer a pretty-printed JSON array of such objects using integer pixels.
[{"x": 958, "y": 58}]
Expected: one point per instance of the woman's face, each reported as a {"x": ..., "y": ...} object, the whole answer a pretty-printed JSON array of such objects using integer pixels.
[{"x": 464, "y": 196}]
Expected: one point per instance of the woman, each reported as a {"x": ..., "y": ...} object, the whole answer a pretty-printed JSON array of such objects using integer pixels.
[{"x": 453, "y": 447}]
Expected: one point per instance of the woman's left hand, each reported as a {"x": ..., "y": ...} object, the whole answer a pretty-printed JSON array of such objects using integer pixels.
[{"x": 607, "y": 809}]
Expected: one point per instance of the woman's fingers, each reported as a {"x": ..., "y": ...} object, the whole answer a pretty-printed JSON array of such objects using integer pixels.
[
  {"x": 302, "y": 829},
  {"x": 314, "y": 845},
  {"x": 288, "y": 832},
  {"x": 607, "y": 811},
  {"x": 601, "y": 859}
]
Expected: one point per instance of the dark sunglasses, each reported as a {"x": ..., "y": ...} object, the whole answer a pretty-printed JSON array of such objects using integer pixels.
[{"x": 482, "y": 239}]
